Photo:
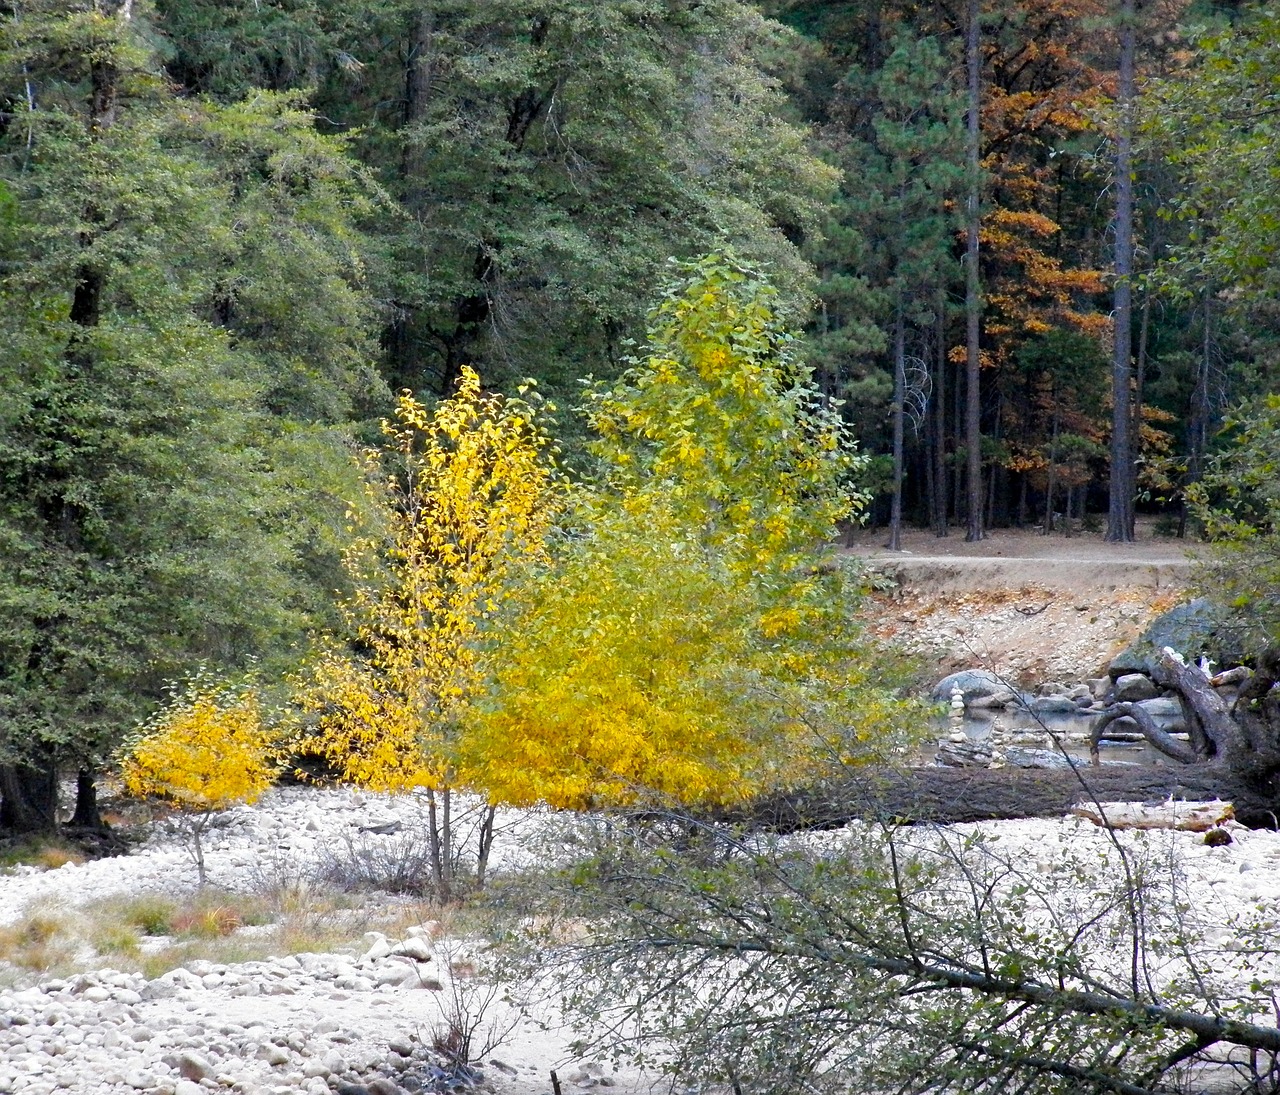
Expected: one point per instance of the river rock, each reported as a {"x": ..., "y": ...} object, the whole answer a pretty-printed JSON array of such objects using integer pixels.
[
  {"x": 965, "y": 754},
  {"x": 1132, "y": 687},
  {"x": 1166, "y": 711},
  {"x": 1054, "y": 705},
  {"x": 414, "y": 947},
  {"x": 974, "y": 683},
  {"x": 1190, "y": 629}
]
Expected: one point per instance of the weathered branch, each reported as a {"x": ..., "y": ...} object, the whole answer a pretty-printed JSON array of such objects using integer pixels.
[
  {"x": 1208, "y": 710},
  {"x": 1212, "y": 1029},
  {"x": 1157, "y": 738}
]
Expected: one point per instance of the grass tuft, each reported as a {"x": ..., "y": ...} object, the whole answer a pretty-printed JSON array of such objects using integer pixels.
[
  {"x": 41, "y": 941},
  {"x": 47, "y": 853}
]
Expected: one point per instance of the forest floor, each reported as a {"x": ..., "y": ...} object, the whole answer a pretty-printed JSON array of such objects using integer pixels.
[{"x": 1034, "y": 608}]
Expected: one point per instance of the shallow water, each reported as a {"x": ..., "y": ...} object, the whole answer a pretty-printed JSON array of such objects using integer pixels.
[{"x": 1017, "y": 726}]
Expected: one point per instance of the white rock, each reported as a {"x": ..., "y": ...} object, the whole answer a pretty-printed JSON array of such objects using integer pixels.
[
  {"x": 415, "y": 947},
  {"x": 379, "y": 947}
]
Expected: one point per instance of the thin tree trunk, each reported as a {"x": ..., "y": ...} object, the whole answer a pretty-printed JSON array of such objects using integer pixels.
[
  {"x": 957, "y": 418},
  {"x": 433, "y": 838},
  {"x": 446, "y": 843},
  {"x": 1140, "y": 376},
  {"x": 198, "y": 824},
  {"x": 486, "y": 844},
  {"x": 1120, "y": 517},
  {"x": 1052, "y": 485},
  {"x": 1198, "y": 425},
  {"x": 972, "y": 300},
  {"x": 899, "y": 399},
  {"x": 939, "y": 416},
  {"x": 995, "y": 476}
]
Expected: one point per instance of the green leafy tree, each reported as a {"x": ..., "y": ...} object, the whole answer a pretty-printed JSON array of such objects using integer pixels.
[
  {"x": 548, "y": 157},
  {"x": 183, "y": 337},
  {"x": 1218, "y": 125},
  {"x": 1238, "y": 502}
]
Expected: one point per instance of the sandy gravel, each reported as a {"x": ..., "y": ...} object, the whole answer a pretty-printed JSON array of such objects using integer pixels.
[{"x": 1032, "y": 608}]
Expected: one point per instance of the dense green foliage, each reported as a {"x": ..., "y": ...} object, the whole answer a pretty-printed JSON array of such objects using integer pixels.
[
  {"x": 229, "y": 230},
  {"x": 1238, "y": 501},
  {"x": 184, "y": 333},
  {"x": 548, "y": 158}
]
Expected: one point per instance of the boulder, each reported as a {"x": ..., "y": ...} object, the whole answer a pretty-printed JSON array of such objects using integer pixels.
[
  {"x": 1166, "y": 711},
  {"x": 1192, "y": 628},
  {"x": 1133, "y": 687},
  {"x": 992, "y": 700},
  {"x": 974, "y": 683},
  {"x": 965, "y": 754},
  {"x": 1054, "y": 705}
]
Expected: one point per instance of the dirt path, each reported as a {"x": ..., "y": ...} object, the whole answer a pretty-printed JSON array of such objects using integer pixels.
[{"x": 1034, "y": 608}]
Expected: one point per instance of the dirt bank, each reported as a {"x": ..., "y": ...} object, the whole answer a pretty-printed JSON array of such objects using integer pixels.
[{"x": 1030, "y": 607}]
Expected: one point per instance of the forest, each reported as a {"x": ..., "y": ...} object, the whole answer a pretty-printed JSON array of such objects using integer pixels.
[{"x": 1020, "y": 252}]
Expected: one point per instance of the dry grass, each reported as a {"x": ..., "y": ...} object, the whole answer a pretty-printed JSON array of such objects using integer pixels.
[
  {"x": 41, "y": 942},
  {"x": 47, "y": 853}
]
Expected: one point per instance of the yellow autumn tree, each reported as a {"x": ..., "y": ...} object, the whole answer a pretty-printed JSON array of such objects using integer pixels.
[
  {"x": 461, "y": 496},
  {"x": 690, "y": 641},
  {"x": 206, "y": 750}
]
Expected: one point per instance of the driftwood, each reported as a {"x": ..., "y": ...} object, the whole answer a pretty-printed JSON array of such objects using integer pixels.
[
  {"x": 1242, "y": 738},
  {"x": 945, "y": 795},
  {"x": 1166, "y": 743},
  {"x": 1233, "y": 756}
]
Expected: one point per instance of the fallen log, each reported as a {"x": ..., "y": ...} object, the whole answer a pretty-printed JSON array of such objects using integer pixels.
[{"x": 949, "y": 795}]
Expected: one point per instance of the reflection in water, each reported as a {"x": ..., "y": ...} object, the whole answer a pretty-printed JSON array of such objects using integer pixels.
[{"x": 1018, "y": 727}]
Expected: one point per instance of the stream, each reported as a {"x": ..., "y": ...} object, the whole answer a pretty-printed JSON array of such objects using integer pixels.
[{"x": 1018, "y": 728}]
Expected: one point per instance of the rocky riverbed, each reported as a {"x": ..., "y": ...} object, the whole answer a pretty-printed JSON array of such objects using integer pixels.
[
  {"x": 364, "y": 1017},
  {"x": 361, "y": 1019}
]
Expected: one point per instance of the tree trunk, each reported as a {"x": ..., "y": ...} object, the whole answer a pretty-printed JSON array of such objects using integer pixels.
[
  {"x": 899, "y": 400},
  {"x": 1198, "y": 420},
  {"x": 972, "y": 297},
  {"x": 956, "y": 795},
  {"x": 1051, "y": 487},
  {"x": 939, "y": 417},
  {"x": 486, "y": 844},
  {"x": 29, "y": 798},
  {"x": 1120, "y": 517},
  {"x": 87, "y": 815},
  {"x": 433, "y": 838}
]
